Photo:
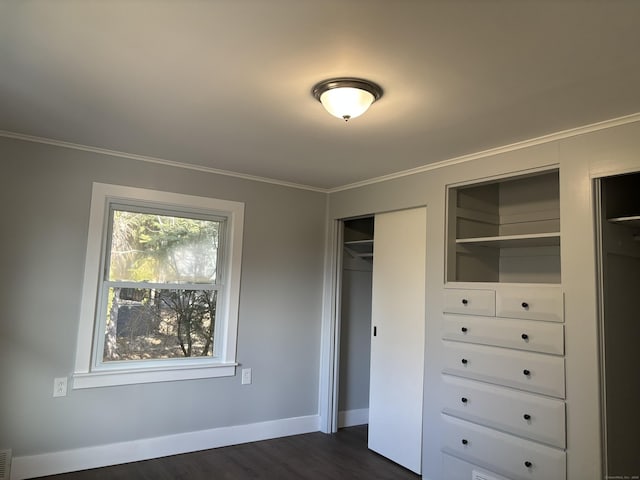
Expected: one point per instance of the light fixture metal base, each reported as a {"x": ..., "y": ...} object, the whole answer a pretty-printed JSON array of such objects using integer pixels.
[{"x": 342, "y": 82}]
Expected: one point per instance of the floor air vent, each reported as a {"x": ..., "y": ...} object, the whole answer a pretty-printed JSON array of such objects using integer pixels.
[
  {"x": 5, "y": 464},
  {"x": 475, "y": 475}
]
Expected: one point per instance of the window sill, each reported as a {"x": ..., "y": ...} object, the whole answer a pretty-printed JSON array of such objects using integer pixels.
[{"x": 151, "y": 375}]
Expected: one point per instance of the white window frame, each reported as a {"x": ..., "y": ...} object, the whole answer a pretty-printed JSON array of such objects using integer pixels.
[{"x": 89, "y": 370}]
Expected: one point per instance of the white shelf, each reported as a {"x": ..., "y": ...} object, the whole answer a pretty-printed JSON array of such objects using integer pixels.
[
  {"x": 511, "y": 241},
  {"x": 360, "y": 248},
  {"x": 359, "y": 242},
  {"x": 633, "y": 221}
]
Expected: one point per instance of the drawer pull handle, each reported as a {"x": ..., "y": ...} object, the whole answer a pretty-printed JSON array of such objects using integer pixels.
[
  {"x": 464, "y": 400},
  {"x": 526, "y": 372},
  {"x": 464, "y": 329},
  {"x": 525, "y": 305},
  {"x": 465, "y": 441},
  {"x": 465, "y": 361},
  {"x": 525, "y": 337},
  {"x": 526, "y": 416},
  {"x": 465, "y": 301},
  {"x": 528, "y": 464}
]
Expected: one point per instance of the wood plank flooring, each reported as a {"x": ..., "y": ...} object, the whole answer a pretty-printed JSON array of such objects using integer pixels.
[{"x": 313, "y": 456}]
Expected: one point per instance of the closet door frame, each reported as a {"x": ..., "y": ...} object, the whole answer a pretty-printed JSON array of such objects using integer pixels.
[
  {"x": 598, "y": 211},
  {"x": 597, "y": 189}
]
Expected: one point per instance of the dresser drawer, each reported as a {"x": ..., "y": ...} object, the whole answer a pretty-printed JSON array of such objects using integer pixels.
[
  {"x": 534, "y": 372},
  {"x": 513, "y": 457},
  {"x": 534, "y": 336},
  {"x": 470, "y": 302},
  {"x": 533, "y": 303},
  {"x": 524, "y": 414}
]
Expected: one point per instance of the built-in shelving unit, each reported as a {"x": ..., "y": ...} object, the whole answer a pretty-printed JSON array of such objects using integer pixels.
[
  {"x": 503, "y": 366},
  {"x": 506, "y": 230}
]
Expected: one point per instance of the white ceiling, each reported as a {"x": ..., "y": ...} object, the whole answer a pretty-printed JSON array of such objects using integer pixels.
[{"x": 226, "y": 83}]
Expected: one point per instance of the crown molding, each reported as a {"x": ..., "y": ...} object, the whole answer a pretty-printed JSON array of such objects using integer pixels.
[
  {"x": 552, "y": 137},
  {"x": 594, "y": 127},
  {"x": 159, "y": 161}
]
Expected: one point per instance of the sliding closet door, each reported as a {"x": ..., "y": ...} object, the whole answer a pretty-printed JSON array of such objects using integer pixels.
[{"x": 397, "y": 342}]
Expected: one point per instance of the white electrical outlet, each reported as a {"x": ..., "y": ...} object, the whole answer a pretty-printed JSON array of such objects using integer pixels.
[
  {"x": 60, "y": 387},
  {"x": 246, "y": 376}
]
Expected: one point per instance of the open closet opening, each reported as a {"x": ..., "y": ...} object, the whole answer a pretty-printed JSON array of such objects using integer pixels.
[
  {"x": 619, "y": 262},
  {"x": 355, "y": 321}
]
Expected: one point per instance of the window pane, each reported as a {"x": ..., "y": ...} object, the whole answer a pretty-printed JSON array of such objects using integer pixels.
[
  {"x": 145, "y": 324},
  {"x": 163, "y": 249}
]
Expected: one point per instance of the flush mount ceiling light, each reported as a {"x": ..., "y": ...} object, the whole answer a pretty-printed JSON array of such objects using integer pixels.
[{"x": 346, "y": 98}]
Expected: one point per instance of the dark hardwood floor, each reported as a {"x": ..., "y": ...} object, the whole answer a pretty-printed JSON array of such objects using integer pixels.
[{"x": 312, "y": 456}]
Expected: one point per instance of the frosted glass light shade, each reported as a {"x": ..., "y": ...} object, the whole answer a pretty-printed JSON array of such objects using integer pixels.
[
  {"x": 346, "y": 102},
  {"x": 346, "y": 98}
]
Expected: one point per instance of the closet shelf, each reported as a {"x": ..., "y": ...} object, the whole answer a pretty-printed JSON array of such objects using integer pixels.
[
  {"x": 360, "y": 248},
  {"x": 632, "y": 221},
  {"x": 512, "y": 241}
]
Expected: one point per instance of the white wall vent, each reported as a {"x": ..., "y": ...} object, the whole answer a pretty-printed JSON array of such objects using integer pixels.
[
  {"x": 5, "y": 464},
  {"x": 475, "y": 475}
]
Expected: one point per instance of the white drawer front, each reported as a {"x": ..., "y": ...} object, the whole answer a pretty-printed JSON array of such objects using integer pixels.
[
  {"x": 528, "y": 335},
  {"x": 535, "y": 372},
  {"x": 530, "y": 416},
  {"x": 533, "y": 303},
  {"x": 502, "y": 453},
  {"x": 470, "y": 302}
]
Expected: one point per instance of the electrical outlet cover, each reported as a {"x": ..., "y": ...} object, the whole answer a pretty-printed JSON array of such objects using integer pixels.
[
  {"x": 60, "y": 387},
  {"x": 246, "y": 376}
]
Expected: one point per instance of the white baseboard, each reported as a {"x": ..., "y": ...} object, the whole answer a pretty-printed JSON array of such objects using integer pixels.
[
  {"x": 144, "y": 449},
  {"x": 351, "y": 418}
]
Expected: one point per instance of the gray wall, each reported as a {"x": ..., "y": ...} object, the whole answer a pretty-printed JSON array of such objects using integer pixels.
[{"x": 45, "y": 192}]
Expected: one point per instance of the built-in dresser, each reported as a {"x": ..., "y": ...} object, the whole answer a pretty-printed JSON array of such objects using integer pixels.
[{"x": 503, "y": 369}]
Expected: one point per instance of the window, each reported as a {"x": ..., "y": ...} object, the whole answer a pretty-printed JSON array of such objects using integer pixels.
[{"x": 161, "y": 288}]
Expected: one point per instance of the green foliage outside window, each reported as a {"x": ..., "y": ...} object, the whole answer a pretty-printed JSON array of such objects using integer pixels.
[{"x": 162, "y": 292}]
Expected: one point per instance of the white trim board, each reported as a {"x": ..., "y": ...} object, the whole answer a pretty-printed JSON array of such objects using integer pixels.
[
  {"x": 143, "y": 449},
  {"x": 159, "y": 161},
  {"x": 351, "y": 418},
  {"x": 572, "y": 132},
  {"x": 552, "y": 137}
]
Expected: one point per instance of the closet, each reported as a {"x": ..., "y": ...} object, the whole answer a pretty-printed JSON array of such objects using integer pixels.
[
  {"x": 619, "y": 262},
  {"x": 355, "y": 321},
  {"x": 395, "y": 317}
]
